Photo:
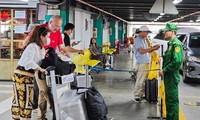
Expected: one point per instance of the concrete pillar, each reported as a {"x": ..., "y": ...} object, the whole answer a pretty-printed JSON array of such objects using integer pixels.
[
  {"x": 126, "y": 30},
  {"x": 64, "y": 12},
  {"x": 120, "y": 32},
  {"x": 98, "y": 23}
]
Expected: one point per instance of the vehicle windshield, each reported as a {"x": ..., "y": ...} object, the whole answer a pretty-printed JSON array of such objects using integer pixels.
[
  {"x": 195, "y": 41},
  {"x": 160, "y": 35},
  {"x": 181, "y": 37}
]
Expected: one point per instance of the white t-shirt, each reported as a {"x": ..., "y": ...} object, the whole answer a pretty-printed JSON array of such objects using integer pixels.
[{"x": 32, "y": 56}]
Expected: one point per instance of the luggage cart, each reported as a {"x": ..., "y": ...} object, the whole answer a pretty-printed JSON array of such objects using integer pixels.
[{"x": 51, "y": 82}]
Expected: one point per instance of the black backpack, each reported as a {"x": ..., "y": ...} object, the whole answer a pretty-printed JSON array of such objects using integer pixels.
[{"x": 61, "y": 67}]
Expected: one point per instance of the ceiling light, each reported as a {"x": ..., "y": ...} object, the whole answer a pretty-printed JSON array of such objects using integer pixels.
[{"x": 177, "y": 1}]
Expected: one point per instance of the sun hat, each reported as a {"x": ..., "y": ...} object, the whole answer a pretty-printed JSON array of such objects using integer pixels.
[{"x": 144, "y": 29}]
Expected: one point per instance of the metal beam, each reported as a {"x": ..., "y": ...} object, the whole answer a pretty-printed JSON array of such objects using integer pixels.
[
  {"x": 124, "y": 7},
  {"x": 122, "y": 3},
  {"x": 85, "y": 3}
]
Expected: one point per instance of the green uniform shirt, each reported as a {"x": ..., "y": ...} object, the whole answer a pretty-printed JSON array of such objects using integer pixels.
[{"x": 173, "y": 57}]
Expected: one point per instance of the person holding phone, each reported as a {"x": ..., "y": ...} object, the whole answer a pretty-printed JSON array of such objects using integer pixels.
[{"x": 68, "y": 29}]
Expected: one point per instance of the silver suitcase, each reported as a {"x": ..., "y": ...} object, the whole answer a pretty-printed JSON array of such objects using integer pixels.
[{"x": 72, "y": 106}]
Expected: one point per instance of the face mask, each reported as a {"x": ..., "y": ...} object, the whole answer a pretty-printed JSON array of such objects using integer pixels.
[{"x": 48, "y": 41}]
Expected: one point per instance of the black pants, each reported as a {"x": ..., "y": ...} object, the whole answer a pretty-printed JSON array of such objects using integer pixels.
[{"x": 36, "y": 94}]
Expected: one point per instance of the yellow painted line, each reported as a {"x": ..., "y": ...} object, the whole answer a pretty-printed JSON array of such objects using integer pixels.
[
  {"x": 181, "y": 114},
  {"x": 193, "y": 97}
]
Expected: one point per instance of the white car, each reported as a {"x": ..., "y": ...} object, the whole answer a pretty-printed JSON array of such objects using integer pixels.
[{"x": 181, "y": 34}]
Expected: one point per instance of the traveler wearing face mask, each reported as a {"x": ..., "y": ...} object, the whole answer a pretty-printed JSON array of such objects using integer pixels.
[{"x": 23, "y": 75}]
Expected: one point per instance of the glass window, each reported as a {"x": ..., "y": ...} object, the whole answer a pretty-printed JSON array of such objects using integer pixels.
[
  {"x": 5, "y": 32},
  {"x": 194, "y": 41},
  {"x": 19, "y": 32},
  {"x": 160, "y": 35},
  {"x": 33, "y": 15},
  {"x": 181, "y": 37},
  {"x": 5, "y": 49},
  {"x": 18, "y": 49},
  {"x": 19, "y": 17}
]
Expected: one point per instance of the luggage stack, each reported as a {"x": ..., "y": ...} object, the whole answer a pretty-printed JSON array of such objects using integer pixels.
[{"x": 83, "y": 104}]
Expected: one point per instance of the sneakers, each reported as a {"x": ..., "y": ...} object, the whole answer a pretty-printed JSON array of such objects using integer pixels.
[
  {"x": 143, "y": 101},
  {"x": 35, "y": 110},
  {"x": 139, "y": 100}
]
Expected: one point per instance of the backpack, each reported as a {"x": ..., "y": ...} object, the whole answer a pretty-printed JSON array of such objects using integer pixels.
[{"x": 61, "y": 67}]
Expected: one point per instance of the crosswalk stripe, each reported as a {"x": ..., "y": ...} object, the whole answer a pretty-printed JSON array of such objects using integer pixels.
[
  {"x": 5, "y": 105},
  {"x": 5, "y": 92},
  {"x": 6, "y": 86},
  {"x": 190, "y": 97}
]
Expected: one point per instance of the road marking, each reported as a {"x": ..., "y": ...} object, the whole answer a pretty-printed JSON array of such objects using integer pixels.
[
  {"x": 5, "y": 92},
  {"x": 5, "y": 105},
  {"x": 6, "y": 86},
  {"x": 190, "y": 97},
  {"x": 181, "y": 114}
]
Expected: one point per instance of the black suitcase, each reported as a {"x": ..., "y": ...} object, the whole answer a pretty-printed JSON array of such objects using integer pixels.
[{"x": 151, "y": 90}]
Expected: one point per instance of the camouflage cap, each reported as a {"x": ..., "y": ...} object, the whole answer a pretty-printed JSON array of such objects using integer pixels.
[{"x": 170, "y": 27}]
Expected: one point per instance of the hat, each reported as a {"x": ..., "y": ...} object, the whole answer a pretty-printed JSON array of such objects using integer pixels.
[
  {"x": 170, "y": 27},
  {"x": 30, "y": 27},
  {"x": 144, "y": 29}
]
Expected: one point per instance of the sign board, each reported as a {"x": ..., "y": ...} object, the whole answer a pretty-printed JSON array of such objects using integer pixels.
[
  {"x": 41, "y": 11},
  {"x": 20, "y": 14}
]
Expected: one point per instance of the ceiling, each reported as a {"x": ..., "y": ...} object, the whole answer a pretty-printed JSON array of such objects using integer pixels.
[{"x": 138, "y": 10}]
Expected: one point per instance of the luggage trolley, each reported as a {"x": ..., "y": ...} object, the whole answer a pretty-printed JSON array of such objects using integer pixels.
[{"x": 51, "y": 82}]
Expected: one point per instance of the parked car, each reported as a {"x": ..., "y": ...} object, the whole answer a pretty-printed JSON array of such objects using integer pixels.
[
  {"x": 181, "y": 34},
  {"x": 191, "y": 44},
  {"x": 191, "y": 64}
]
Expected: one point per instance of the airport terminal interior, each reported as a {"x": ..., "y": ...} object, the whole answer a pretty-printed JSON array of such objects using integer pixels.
[{"x": 115, "y": 25}]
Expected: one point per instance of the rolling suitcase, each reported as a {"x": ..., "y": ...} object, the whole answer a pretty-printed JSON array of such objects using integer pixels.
[
  {"x": 151, "y": 90},
  {"x": 72, "y": 106},
  {"x": 151, "y": 84}
]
